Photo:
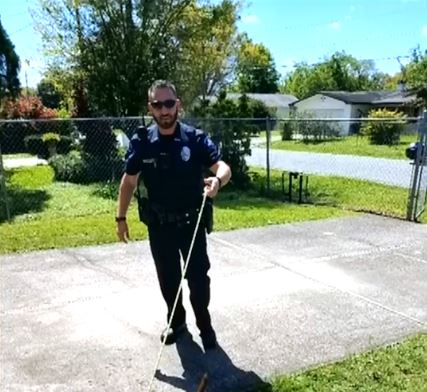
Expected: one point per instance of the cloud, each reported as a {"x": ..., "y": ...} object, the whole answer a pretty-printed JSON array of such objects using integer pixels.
[
  {"x": 424, "y": 31},
  {"x": 250, "y": 19},
  {"x": 334, "y": 25}
]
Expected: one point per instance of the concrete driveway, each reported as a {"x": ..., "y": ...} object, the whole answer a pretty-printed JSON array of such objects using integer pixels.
[{"x": 284, "y": 298}]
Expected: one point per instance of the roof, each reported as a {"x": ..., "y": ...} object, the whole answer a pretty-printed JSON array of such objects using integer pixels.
[
  {"x": 371, "y": 97},
  {"x": 270, "y": 100}
]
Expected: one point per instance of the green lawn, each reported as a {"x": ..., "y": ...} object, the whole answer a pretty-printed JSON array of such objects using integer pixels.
[
  {"x": 395, "y": 368},
  {"x": 48, "y": 214},
  {"x": 351, "y": 145}
]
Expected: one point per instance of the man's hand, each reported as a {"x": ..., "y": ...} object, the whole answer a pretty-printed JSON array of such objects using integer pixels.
[
  {"x": 212, "y": 186},
  {"x": 123, "y": 231}
]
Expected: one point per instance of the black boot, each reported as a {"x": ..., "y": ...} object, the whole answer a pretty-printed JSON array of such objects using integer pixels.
[{"x": 171, "y": 335}]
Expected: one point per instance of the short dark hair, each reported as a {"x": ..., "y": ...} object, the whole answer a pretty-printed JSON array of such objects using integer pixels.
[{"x": 161, "y": 84}]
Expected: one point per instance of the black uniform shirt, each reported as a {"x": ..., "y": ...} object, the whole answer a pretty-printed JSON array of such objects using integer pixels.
[{"x": 172, "y": 167}]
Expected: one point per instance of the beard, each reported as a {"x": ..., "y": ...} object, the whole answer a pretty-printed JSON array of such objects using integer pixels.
[{"x": 166, "y": 121}]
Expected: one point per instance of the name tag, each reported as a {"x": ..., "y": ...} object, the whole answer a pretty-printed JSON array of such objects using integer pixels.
[{"x": 151, "y": 160}]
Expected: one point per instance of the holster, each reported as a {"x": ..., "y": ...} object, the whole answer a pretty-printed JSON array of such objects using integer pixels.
[{"x": 144, "y": 211}]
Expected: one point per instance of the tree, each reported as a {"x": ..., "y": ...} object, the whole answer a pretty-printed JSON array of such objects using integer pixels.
[
  {"x": 49, "y": 94},
  {"x": 209, "y": 46},
  {"x": 115, "y": 49},
  {"x": 9, "y": 66},
  {"x": 256, "y": 71},
  {"x": 340, "y": 72},
  {"x": 415, "y": 72}
]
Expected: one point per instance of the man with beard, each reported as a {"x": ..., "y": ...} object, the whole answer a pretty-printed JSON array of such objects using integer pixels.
[{"x": 171, "y": 158}]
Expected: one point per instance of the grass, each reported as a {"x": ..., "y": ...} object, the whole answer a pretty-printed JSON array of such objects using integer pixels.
[
  {"x": 48, "y": 214},
  {"x": 346, "y": 193},
  {"x": 351, "y": 145},
  {"x": 397, "y": 367}
]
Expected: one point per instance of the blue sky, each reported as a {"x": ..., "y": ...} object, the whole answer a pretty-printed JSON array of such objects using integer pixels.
[{"x": 293, "y": 30}]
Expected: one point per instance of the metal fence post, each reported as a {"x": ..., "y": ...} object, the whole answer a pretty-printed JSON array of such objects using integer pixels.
[
  {"x": 3, "y": 186},
  {"x": 268, "y": 143},
  {"x": 411, "y": 213}
]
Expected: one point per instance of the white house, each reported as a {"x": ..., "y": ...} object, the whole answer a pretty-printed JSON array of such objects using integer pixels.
[{"x": 346, "y": 105}]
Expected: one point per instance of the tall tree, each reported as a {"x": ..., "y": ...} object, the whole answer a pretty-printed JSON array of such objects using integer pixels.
[
  {"x": 340, "y": 72},
  {"x": 9, "y": 66},
  {"x": 116, "y": 48},
  {"x": 209, "y": 38},
  {"x": 256, "y": 71}
]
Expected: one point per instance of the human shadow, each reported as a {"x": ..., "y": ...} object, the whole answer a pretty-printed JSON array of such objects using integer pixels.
[{"x": 222, "y": 374}]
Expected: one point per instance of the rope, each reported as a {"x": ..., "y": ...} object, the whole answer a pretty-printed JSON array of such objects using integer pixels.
[{"x": 184, "y": 271}]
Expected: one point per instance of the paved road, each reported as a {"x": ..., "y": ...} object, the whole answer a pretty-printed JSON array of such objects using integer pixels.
[
  {"x": 284, "y": 298},
  {"x": 386, "y": 171}
]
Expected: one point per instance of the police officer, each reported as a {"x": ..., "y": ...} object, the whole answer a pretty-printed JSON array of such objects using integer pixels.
[{"x": 171, "y": 158}]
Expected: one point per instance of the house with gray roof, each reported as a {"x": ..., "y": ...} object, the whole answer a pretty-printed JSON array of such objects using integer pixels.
[{"x": 344, "y": 104}]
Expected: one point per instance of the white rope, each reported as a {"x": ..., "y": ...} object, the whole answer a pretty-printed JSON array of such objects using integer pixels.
[{"x": 184, "y": 270}]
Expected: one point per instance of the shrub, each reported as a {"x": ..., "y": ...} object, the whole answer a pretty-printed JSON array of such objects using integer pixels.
[
  {"x": 26, "y": 107},
  {"x": 69, "y": 167},
  {"x": 385, "y": 132},
  {"x": 51, "y": 140},
  {"x": 304, "y": 124},
  {"x": 12, "y": 137},
  {"x": 12, "y": 134},
  {"x": 65, "y": 144},
  {"x": 35, "y": 146},
  {"x": 288, "y": 130}
]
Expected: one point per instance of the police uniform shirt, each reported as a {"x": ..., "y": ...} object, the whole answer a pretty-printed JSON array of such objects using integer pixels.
[{"x": 172, "y": 167}]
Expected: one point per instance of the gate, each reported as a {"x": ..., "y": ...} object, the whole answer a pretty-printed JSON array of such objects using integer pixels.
[{"x": 418, "y": 189}]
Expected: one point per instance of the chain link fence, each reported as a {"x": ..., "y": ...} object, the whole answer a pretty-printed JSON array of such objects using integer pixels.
[{"x": 356, "y": 164}]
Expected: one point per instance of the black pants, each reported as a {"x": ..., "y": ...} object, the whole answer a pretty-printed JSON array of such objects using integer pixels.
[{"x": 166, "y": 240}]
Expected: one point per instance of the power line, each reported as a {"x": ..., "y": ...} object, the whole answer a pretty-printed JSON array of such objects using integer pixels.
[{"x": 22, "y": 28}]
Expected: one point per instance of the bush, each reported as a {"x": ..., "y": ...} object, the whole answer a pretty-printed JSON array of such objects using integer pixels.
[
  {"x": 384, "y": 132},
  {"x": 35, "y": 146},
  {"x": 288, "y": 130},
  {"x": 69, "y": 167},
  {"x": 102, "y": 169},
  {"x": 310, "y": 130},
  {"x": 51, "y": 138},
  {"x": 232, "y": 136},
  {"x": 65, "y": 144},
  {"x": 85, "y": 169},
  {"x": 26, "y": 107},
  {"x": 12, "y": 137}
]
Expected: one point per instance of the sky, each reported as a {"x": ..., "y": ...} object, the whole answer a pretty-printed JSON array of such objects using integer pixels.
[{"x": 294, "y": 31}]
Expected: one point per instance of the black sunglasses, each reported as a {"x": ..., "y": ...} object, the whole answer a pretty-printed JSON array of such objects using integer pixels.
[{"x": 168, "y": 104}]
